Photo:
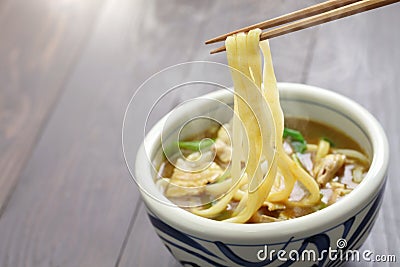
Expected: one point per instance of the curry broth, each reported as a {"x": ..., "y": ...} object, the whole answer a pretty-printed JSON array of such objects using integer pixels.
[{"x": 312, "y": 132}]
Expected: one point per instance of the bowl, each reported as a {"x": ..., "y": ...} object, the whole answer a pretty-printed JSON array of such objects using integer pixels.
[{"x": 327, "y": 237}]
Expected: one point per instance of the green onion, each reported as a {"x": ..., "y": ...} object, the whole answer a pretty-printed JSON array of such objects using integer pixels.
[
  {"x": 332, "y": 144},
  {"x": 293, "y": 134},
  {"x": 196, "y": 145},
  {"x": 299, "y": 147},
  {"x": 298, "y": 142},
  {"x": 322, "y": 206}
]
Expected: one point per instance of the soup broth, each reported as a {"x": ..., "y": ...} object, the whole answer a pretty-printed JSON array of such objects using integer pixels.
[{"x": 333, "y": 159}]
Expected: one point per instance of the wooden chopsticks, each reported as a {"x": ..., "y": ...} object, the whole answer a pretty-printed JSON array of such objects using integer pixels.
[{"x": 311, "y": 16}]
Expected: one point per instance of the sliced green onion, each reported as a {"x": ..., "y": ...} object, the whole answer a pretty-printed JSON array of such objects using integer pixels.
[
  {"x": 299, "y": 147},
  {"x": 293, "y": 134},
  {"x": 329, "y": 141},
  {"x": 298, "y": 142},
  {"x": 322, "y": 206},
  {"x": 196, "y": 145}
]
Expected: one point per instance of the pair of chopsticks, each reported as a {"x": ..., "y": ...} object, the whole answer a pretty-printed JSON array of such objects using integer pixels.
[{"x": 306, "y": 18}]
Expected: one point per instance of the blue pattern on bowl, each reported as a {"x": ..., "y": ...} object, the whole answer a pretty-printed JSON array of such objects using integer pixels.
[{"x": 200, "y": 255}]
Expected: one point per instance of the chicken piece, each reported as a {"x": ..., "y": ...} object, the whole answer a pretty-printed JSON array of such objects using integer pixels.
[
  {"x": 287, "y": 148},
  {"x": 338, "y": 193},
  {"x": 222, "y": 150},
  {"x": 261, "y": 218},
  {"x": 299, "y": 192},
  {"x": 184, "y": 182},
  {"x": 224, "y": 133},
  {"x": 336, "y": 185},
  {"x": 327, "y": 167},
  {"x": 274, "y": 206},
  {"x": 222, "y": 146}
]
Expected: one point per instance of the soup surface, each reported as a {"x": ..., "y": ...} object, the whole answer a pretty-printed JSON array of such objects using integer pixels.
[{"x": 333, "y": 159}]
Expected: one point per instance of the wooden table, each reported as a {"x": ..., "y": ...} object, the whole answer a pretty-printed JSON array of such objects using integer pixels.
[{"x": 67, "y": 71}]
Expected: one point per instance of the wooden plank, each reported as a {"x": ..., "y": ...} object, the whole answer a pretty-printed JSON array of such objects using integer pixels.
[
  {"x": 359, "y": 57},
  {"x": 40, "y": 42},
  {"x": 74, "y": 200},
  {"x": 144, "y": 247}
]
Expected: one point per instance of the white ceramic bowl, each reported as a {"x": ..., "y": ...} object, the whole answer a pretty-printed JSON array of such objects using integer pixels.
[{"x": 196, "y": 241}]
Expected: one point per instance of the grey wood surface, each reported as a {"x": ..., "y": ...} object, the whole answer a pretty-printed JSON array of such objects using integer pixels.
[
  {"x": 67, "y": 71},
  {"x": 40, "y": 43}
]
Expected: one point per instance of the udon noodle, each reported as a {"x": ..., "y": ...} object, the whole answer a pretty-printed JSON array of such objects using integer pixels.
[{"x": 265, "y": 186}]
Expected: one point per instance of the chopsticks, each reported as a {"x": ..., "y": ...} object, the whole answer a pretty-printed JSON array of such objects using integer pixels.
[
  {"x": 299, "y": 14},
  {"x": 310, "y": 16}
]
